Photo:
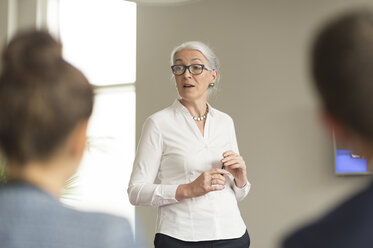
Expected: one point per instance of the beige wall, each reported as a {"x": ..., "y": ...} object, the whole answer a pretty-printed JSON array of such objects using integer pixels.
[
  {"x": 5, "y": 6},
  {"x": 262, "y": 48},
  {"x": 17, "y": 15}
]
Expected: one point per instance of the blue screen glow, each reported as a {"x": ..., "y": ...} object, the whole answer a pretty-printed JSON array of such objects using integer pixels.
[{"x": 347, "y": 162}]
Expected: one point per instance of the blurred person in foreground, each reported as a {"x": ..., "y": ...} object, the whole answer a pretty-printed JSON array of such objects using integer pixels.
[
  {"x": 342, "y": 67},
  {"x": 45, "y": 107}
]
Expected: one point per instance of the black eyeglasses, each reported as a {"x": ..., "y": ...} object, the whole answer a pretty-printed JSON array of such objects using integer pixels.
[{"x": 194, "y": 69}]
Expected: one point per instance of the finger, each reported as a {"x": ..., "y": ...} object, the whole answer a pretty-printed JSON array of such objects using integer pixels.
[
  {"x": 218, "y": 171},
  {"x": 231, "y": 156},
  {"x": 227, "y": 153},
  {"x": 232, "y": 161},
  {"x": 227, "y": 159},
  {"x": 218, "y": 176},
  {"x": 217, "y": 182},
  {"x": 235, "y": 166},
  {"x": 216, "y": 187}
]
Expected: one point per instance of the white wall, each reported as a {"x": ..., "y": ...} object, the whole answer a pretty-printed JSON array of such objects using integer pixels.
[{"x": 262, "y": 46}]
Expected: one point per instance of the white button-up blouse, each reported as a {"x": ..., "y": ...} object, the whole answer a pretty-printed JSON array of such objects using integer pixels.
[{"x": 172, "y": 147}]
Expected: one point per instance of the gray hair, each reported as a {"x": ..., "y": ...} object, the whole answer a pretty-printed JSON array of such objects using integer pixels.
[{"x": 202, "y": 48}]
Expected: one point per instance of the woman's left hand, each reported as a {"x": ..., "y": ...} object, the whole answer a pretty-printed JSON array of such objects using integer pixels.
[{"x": 235, "y": 164}]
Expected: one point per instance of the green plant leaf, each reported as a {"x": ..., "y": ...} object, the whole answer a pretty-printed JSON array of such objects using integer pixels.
[{"x": 68, "y": 191}]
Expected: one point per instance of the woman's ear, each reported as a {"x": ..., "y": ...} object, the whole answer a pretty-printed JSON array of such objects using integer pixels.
[{"x": 214, "y": 75}]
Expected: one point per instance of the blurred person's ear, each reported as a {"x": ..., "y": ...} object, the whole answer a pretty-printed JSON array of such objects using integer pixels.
[
  {"x": 347, "y": 137},
  {"x": 77, "y": 140},
  {"x": 340, "y": 132}
]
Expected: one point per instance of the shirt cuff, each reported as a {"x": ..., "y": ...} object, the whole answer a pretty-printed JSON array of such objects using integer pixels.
[
  {"x": 165, "y": 194},
  {"x": 241, "y": 193}
]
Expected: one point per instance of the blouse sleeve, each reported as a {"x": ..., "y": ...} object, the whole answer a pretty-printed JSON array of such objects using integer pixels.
[
  {"x": 240, "y": 193},
  {"x": 141, "y": 189}
]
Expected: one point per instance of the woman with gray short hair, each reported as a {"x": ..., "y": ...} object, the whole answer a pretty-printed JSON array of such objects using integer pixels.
[{"x": 192, "y": 148}]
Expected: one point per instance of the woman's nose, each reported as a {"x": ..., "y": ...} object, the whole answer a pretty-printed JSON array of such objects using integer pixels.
[{"x": 187, "y": 74}]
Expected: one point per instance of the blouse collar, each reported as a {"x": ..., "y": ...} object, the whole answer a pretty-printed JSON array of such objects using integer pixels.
[{"x": 177, "y": 106}]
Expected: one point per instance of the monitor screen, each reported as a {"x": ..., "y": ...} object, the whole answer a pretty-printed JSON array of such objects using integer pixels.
[{"x": 349, "y": 163}]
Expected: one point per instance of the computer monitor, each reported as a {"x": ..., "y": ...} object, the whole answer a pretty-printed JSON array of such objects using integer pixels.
[{"x": 347, "y": 162}]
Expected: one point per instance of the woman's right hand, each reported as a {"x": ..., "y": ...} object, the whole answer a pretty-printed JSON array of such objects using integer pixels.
[{"x": 208, "y": 181}]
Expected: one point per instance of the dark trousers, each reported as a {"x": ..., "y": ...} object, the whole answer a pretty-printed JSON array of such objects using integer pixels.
[{"x": 165, "y": 241}]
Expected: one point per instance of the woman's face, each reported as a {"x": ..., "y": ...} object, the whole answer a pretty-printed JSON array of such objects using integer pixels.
[{"x": 193, "y": 87}]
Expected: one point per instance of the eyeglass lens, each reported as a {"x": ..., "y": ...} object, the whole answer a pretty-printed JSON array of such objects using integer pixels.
[{"x": 194, "y": 69}]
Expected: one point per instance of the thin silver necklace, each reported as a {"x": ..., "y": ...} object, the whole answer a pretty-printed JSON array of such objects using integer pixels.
[{"x": 202, "y": 117}]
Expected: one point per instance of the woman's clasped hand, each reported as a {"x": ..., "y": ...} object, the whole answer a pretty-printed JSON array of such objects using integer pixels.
[{"x": 235, "y": 164}]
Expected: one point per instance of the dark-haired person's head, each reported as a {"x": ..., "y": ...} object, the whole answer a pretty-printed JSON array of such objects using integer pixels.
[
  {"x": 45, "y": 106},
  {"x": 342, "y": 67}
]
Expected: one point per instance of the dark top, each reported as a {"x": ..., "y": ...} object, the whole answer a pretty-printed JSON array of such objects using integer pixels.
[
  {"x": 349, "y": 225},
  {"x": 30, "y": 217}
]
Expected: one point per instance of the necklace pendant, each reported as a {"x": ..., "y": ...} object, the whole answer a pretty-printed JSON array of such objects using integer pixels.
[{"x": 201, "y": 118}]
